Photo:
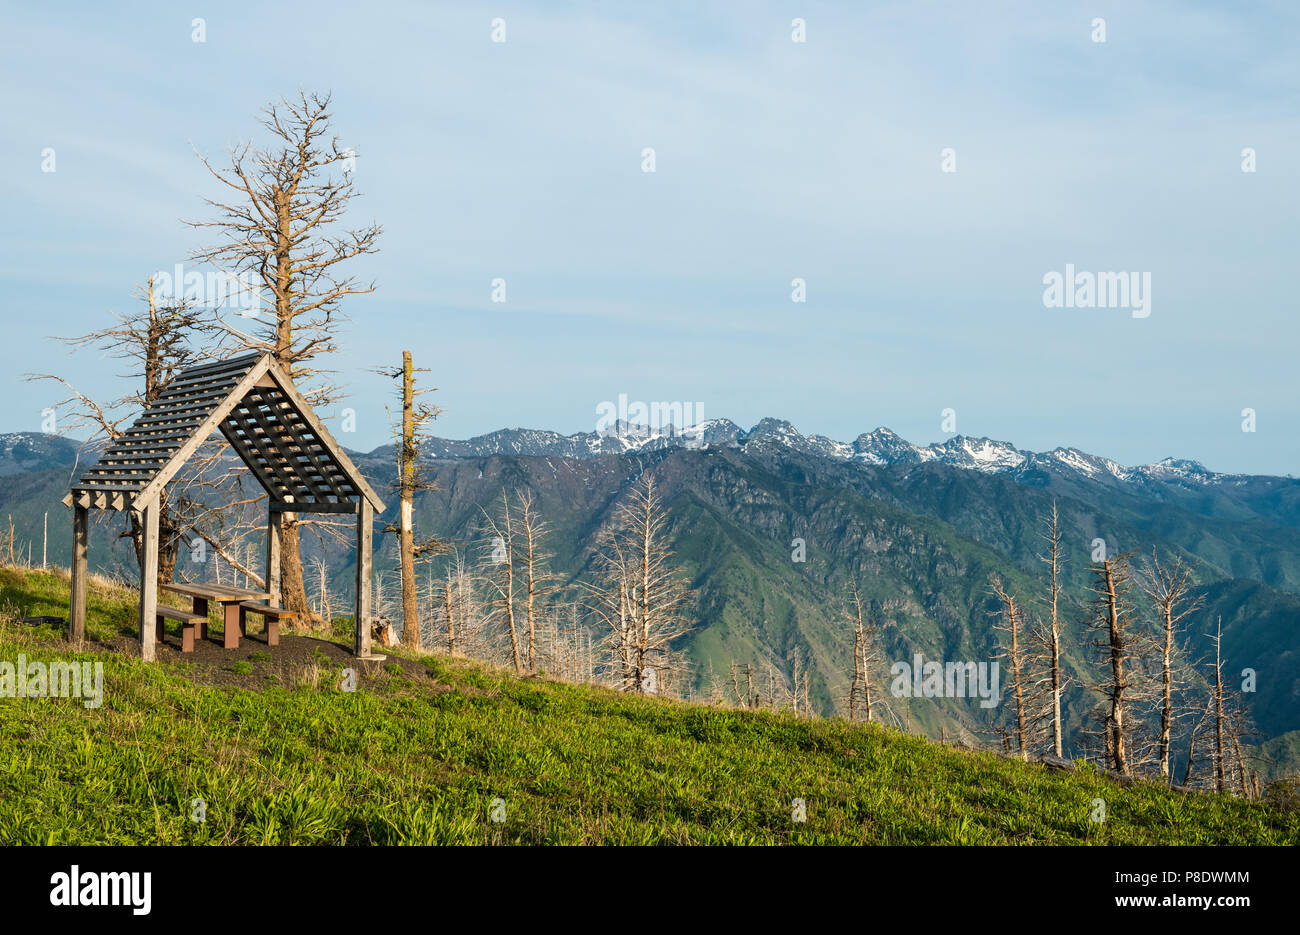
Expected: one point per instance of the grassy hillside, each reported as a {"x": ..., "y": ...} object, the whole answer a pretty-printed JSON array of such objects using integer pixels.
[{"x": 422, "y": 747}]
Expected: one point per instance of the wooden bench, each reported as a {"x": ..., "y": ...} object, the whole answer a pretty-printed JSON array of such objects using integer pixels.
[
  {"x": 272, "y": 616},
  {"x": 191, "y": 624}
]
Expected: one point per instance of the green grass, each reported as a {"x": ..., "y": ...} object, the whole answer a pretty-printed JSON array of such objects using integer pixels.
[{"x": 404, "y": 761}]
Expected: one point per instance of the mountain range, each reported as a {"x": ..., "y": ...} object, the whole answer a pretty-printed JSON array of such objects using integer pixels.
[{"x": 879, "y": 447}]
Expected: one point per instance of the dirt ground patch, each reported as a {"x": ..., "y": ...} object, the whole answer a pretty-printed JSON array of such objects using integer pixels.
[{"x": 255, "y": 665}]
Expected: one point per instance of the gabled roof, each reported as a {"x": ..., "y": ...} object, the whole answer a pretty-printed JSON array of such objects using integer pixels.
[{"x": 254, "y": 404}]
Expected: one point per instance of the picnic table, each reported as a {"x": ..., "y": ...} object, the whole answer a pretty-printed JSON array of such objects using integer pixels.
[{"x": 235, "y": 603}]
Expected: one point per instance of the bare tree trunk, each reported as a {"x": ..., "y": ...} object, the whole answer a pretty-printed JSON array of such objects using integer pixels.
[
  {"x": 643, "y": 630},
  {"x": 627, "y": 651},
  {"x": 510, "y": 592},
  {"x": 1116, "y": 726},
  {"x": 1054, "y": 646},
  {"x": 1166, "y": 694},
  {"x": 1241, "y": 764},
  {"x": 531, "y": 596},
  {"x": 168, "y": 539},
  {"x": 450, "y": 611},
  {"x": 535, "y": 577},
  {"x": 866, "y": 682},
  {"x": 1168, "y": 589},
  {"x": 502, "y": 565},
  {"x": 325, "y": 610},
  {"x": 857, "y": 675},
  {"x": 406, "y": 532},
  {"x": 293, "y": 590},
  {"x": 863, "y": 655},
  {"x": 1011, "y": 619},
  {"x": 1191, "y": 759},
  {"x": 742, "y": 700},
  {"x": 794, "y": 694},
  {"x": 1220, "y": 783}
]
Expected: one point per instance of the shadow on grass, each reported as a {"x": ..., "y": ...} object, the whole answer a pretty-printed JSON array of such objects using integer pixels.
[{"x": 45, "y": 594}]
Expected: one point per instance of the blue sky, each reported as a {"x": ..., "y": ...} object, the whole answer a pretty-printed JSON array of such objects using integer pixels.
[{"x": 774, "y": 160}]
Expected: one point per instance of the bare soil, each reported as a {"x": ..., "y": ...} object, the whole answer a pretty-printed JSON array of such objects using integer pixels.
[{"x": 281, "y": 665}]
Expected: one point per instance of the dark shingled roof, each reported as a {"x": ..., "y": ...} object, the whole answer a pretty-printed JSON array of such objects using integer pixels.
[{"x": 252, "y": 402}]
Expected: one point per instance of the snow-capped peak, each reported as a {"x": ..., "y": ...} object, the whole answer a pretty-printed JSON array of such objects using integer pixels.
[
  {"x": 883, "y": 446},
  {"x": 982, "y": 454},
  {"x": 1176, "y": 467}
]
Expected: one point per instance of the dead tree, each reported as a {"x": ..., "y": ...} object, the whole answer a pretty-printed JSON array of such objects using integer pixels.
[
  {"x": 410, "y": 433},
  {"x": 658, "y": 595},
  {"x": 799, "y": 672},
  {"x": 1013, "y": 624},
  {"x": 160, "y": 339},
  {"x": 1240, "y": 726},
  {"x": 571, "y": 643},
  {"x": 749, "y": 698},
  {"x": 866, "y": 653},
  {"x": 281, "y": 231},
  {"x": 461, "y": 613},
  {"x": 641, "y": 598},
  {"x": 1168, "y": 588},
  {"x": 1048, "y": 636},
  {"x": 406, "y": 474},
  {"x": 1220, "y": 719},
  {"x": 1192, "y": 737},
  {"x": 8, "y": 544},
  {"x": 1235, "y": 729},
  {"x": 613, "y": 606},
  {"x": 449, "y": 609},
  {"x": 1121, "y": 660},
  {"x": 562, "y": 641},
  {"x": 534, "y": 559},
  {"x": 500, "y": 565},
  {"x": 324, "y": 607}
]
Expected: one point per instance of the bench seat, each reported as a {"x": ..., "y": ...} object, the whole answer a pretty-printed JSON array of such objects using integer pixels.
[
  {"x": 272, "y": 615},
  {"x": 191, "y": 625}
]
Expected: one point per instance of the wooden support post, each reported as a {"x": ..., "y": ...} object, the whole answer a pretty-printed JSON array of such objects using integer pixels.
[
  {"x": 274, "y": 526},
  {"x": 365, "y": 524},
  {"x": 200, "y": 607},
  {"x": 234, "y": 625},
  {"x": 77, "y": 602},
  {"x": 149, "y": 581}
]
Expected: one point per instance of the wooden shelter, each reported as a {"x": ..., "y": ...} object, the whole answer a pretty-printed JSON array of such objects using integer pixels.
[{"x": 253, "y": 403}]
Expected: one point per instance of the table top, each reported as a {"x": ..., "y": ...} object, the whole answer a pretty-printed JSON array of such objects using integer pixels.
[{"x": 221, "y": 593}]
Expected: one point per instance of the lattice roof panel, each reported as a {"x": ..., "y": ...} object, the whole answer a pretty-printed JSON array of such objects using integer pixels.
[{"x": 253, "y": 404}]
